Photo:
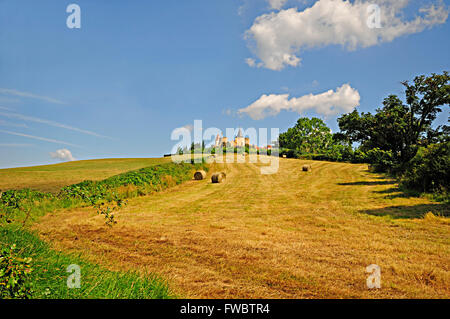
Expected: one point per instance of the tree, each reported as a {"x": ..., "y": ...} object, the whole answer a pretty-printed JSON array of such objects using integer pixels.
[
  {"x": 400, "y": 128},
  {"x": 310, "y": 136}
]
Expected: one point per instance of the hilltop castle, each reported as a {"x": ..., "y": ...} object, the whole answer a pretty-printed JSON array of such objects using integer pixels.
[{"x": 239, "y": 141}]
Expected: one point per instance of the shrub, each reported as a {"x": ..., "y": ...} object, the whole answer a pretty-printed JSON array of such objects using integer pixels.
[
  {"x": 382, "y": 161},
  {"x": 146, "y": 180},
  {"x": 15, "y": 278},
  {"x": 429, "y": 170},
  {"x": 16, "y": 201},
  {"x": 17, "y": 198},
  {"x": 359, "y": 157},
  {"x": 288, "y": 152}
]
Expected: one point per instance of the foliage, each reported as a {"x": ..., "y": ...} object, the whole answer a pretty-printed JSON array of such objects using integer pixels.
[
  {"x": 307, "y": 136},
  {"x": 382, "y": 161},
  {"x": 312, "y": 139},
  {"x": 401, "y": 128},
  {"x": 17, "y": 198},
  {"x": 429, "y": 170},
  {"x": 15, "y": 273},
  {"x": 12, "y": 201},
  {"x": 339, "y": 152},
  {"x": 147, "y": 180},
  {"x": 108, "y": 211}
]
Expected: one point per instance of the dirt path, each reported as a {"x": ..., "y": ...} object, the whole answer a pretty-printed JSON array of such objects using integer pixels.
[{"x": 288, "y": 235}]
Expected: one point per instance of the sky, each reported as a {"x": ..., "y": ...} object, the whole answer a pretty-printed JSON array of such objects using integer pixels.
[{"x": 135, "y": 71}]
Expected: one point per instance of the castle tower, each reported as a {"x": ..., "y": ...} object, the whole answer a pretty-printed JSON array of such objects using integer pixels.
[
  {"x": 217, "y": 143},
  {"x": 239, "y": 140}
]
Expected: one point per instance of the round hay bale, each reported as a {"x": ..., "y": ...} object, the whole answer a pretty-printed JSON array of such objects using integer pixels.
[
  {"x": 306, "y": 168},
  {"x": 199, "y": 175},
  {"x": 218, "y": 177}
]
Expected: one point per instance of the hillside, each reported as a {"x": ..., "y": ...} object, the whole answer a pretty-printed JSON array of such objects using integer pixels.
[
  {"x": 293, "y": 234},
  {"x": 50, "y": 178}
]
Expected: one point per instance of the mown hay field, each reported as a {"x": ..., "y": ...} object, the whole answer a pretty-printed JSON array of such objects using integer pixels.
[
  {"x": 292, "y": 234},
  {"x": 50, "y": 178}
]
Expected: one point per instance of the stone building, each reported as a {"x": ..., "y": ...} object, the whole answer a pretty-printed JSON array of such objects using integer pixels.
[{"x": 239, "y": 141}]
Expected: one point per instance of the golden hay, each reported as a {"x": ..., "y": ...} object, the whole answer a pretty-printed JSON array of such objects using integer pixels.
[
  {"x": 218, "y": 177},
  {"x": 199, "y": 175}
]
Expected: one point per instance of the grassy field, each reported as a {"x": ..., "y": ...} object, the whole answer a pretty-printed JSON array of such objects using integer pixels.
[
  {"x": 50, "y": 178},
  {"x": 292, "y": 234}
]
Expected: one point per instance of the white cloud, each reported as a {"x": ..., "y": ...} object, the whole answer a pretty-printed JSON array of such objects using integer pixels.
[
  {"x": 38, "y": 138},
  {"x": 250, "y": 62},
  {"x": 63, "y": 154},
  {"x": 344, "y": 99},
  {"x": 47, "y": 122},
  {"x": 30, "y": 95},
  {"x": 276, "y": 4},
  {"x": 5, "y": 123},
  {"x": 277, "y": 38}
]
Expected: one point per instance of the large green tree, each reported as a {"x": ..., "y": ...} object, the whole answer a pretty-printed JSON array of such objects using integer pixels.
[
  {"x": 402, "y": 127},
  {"x": 308, "y": 136}
]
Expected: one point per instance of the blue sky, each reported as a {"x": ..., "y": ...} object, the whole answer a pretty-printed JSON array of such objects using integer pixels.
[{"x": 136, "y": 70}]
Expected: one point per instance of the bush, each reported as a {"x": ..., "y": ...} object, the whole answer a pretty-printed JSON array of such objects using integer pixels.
[
  {"x": 148, "y": 179},
  {"x": 359, "y": 157},
  {"x": 288, "y": 152},
  {"x": 429, "y": 170},
  {"x": 382, "y": 161},
  {"x": 338, "y": 153},
  {"x": 17, "y": 198},
  {"x": 13, "y": 201},
  {"x": 15, "y": 278}
]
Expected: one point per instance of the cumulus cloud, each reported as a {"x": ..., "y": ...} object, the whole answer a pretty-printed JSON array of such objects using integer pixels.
[
  {"x": 277, "y": 38},
  {"x": 344, "y": 99},
  {"x": 276, "y": 4},
  {"x": 63, "y": 154}
]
